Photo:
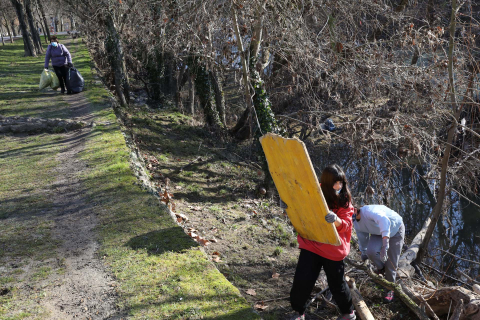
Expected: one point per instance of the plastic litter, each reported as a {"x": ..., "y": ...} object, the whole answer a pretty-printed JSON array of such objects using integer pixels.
[
  {"x": 329, "y": 125},
  {"x": 75, "y": 80},
  {"x": 46, "y": 79},
  {"x": 55, "y": 82}
]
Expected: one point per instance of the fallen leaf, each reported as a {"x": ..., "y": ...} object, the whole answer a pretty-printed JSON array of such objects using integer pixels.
[
  {"x": 251, "y": 292},
  {"x": 203, "y": 242},
  {"x": 179, "y": 219},
  {"x": 214, "y": 230},
  {"x": 178, "y": 187},
  {"x": 213, "y": 240},
  {"x": 275, "y": 275},
  {"x": 216, "y": 259},
  {"x": 260, "y": 306},
  {"x": 216, "y": 253},
  {"x": 181, "y": 216},
  {"x": 192, "y": 234}
]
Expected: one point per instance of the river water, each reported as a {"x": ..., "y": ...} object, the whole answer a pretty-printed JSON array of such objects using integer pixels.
[{"x": 400, "y": 188}]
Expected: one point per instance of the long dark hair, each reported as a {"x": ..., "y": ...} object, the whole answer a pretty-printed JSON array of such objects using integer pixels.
[{"x": 330, "y": 175}]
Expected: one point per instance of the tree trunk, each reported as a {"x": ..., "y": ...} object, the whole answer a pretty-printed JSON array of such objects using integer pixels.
[
  {"x": 178, "y": 89},
  {"x": 27, "y": 39},
  {"x": 191, "y": 92},
  {"x": 37, "y": 41},
  {"x": 219, "y": 96},
  {"x": 206, "y": 96},
  {"x": 8, "y": 28},
  {"x": 72, "y": 23},
  {"x": 437, "y": 210},
  {"x": 3, "y": 40},
  {"x": 44, "y": 17},
  {"x": 116, "y": 58},
  {"x": 13, "y": 28},
  {"x": 243, "y": 125}
]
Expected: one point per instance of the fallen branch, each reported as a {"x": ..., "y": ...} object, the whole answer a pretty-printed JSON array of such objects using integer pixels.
[
  {"x": 320, "y": 295},
  {"x": 419, "y": 300},
  {"x": 458, "y": 311},
  {"x": 404, "y": 263},
  {"x": 467, "y": 276},
  {"x": 391, "y": 286},
  {"x": 441, "y": 299},
  {"x": 358, "y": 300},
  {"x": 445, "y": 275},
  {"x": 460, "y": 258}
]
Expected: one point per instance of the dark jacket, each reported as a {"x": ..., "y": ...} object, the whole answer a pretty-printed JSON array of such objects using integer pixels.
[{"x": 60, "y": 56}]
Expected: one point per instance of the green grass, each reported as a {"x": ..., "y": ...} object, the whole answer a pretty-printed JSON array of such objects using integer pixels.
[
  {"x": 161, "y": 272},
  {"x": 19, "y": 79}
]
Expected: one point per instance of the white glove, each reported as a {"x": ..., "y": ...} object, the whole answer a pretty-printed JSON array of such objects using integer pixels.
[
  {"x": 384, "y": 250},
  {"x": 331, "y": 217}
]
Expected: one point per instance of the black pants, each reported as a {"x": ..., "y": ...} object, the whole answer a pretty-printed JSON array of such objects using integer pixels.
[
  {"x": 62, "y": 74},
  {"x": 308, "y": 269}
]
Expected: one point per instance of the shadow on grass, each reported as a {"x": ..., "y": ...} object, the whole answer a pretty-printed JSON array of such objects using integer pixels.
[
  {"x": 40, "y": 148},
  {"x": 161, "y": 241},
  {"x": 245, "y": 313}
]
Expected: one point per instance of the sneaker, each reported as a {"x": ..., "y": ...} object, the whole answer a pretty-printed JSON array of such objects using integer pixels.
[
  {"x": 380, "y": 272},
  {"x": 348, "y": 316},
  {"x": 389, "y": 297},
  {"x": 298, "y": 317}
]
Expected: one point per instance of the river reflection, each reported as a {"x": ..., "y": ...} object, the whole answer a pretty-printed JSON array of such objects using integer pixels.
[{"x": 400, "y": 188}]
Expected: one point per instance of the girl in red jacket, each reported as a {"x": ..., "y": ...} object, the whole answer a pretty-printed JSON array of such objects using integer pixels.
[{"x": 315, "y": 255}]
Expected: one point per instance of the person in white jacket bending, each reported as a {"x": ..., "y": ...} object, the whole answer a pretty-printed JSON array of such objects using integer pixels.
[{"x": 381, "y": 234}]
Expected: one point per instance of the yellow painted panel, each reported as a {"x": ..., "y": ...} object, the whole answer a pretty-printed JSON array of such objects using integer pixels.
[{"x": 297, "y": 184}]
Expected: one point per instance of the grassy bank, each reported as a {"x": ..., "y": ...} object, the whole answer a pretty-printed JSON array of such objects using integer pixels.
[{"x": 161, "y": 273}]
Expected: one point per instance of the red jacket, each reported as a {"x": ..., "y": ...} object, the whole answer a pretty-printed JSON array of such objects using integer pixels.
[{"x": 335, "y": 253}]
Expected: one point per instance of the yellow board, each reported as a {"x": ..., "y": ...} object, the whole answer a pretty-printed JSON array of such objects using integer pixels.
[{"x": 298, "y": 186}]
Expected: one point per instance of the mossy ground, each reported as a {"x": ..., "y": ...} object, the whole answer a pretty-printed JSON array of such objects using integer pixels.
[{"x": 161, "y": 273}]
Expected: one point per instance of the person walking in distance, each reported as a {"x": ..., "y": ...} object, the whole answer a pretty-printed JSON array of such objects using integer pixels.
[
  {"x": 381, "y": 234},
  {"x": 315, "y": 255},
  {"x": 61, "y": 62}
]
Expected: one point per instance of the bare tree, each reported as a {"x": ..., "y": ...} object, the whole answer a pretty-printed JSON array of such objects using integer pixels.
[
  {"x": 27, "y": 38},
  {"x": 37, "y": 42},
  {"x": 44, "y": 18},
  {"x": 7, "y": 27}
]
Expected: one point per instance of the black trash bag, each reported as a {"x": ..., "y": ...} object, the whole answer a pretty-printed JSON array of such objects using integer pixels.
[{"x": 75, "y": 80}]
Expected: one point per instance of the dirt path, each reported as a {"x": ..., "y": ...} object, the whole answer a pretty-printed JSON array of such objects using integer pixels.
[{"x": 85, "y": 290}]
